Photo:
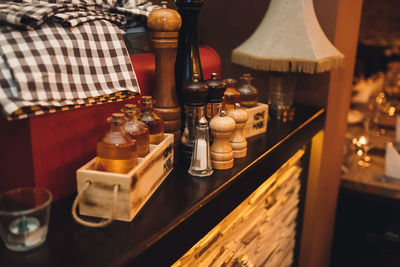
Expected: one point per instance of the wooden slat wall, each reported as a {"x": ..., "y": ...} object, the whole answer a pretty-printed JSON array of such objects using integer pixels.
[{"x": 260, "y": 231}]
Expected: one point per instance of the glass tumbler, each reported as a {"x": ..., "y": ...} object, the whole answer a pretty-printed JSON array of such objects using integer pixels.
[
  {"x": 24, "y": 217},
  {"x": 280, "y": 95}
]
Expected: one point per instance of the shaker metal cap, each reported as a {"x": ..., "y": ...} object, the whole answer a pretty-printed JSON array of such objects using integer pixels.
[{"x": 202, "y": 122}]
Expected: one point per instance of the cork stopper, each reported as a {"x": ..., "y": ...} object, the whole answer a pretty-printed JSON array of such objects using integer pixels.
[
  {"x": 146, "y": 99},
  {"x": 246, "y": 76},
  {"x": 231, "y": 91},
  {"x": 216, "y": 89},
  {"x": 230, "y": 82},
  {"x": 130, "y": 109},
  {"x": 195, "y": 92},
  {"x": 147, "y": 102},
  {"x": 164, "y": 19},
  {"x": 117, "y": 119}
]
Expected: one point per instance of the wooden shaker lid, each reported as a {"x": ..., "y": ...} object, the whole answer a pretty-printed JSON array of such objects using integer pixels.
[
  {"x": 164, "y": 19},
  {"x": 216, "y": 89},
  {"x": 195, "y": 92},
  {"x": 222, "y": 123},
  {"x": 238, "y": 114}
]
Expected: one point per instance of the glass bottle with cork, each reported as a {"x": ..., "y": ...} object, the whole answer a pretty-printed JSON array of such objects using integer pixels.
[
  {"x": 248, "y": 93},
  {"x": 231, "y": 94},
  {"x": 137, "y": 130},
  {"x": 116, "y": 151},
  {"x": 153, "y": 121}
]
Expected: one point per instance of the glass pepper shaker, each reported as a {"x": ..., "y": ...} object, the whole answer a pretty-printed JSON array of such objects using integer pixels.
[{"x": 200, "y": 164}]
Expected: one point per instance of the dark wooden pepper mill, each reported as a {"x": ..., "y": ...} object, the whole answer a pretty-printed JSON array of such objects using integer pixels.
[
  {"x": 165, "y": 24},
  {"x": 188, "y": 57},
  {"x": 194, "y": 94},
  {"x": 216, "y": 89}
]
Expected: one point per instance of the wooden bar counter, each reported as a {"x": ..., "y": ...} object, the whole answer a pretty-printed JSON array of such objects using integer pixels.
[{"x": 180, "y": 212}]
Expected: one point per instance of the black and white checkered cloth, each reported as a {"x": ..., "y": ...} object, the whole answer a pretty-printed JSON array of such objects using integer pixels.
[
  {"x": 31, "y": 15},
  {"x": 55, "y": 67}
]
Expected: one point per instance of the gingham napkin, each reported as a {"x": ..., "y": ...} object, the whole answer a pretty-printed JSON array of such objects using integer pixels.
[
  {"x": 30, "y": 14},
  {"x": 55, "y": 67}
]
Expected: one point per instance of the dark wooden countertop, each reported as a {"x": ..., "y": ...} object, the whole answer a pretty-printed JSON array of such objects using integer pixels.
[{"x": 180, "y": 212}]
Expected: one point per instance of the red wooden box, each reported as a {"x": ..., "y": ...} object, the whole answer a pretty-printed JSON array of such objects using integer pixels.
[{"x": 46, "y": 150}]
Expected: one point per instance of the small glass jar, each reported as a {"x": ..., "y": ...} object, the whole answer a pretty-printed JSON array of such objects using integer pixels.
[
  {"x": 280, "y": 96},
  {"x": 248, "y": 93},
  {"x": 116, "y": 151},
  {"x": 231, "y": 94},
  {"x": 137, "y": 130},
  {"x": 153, "y": 121}
]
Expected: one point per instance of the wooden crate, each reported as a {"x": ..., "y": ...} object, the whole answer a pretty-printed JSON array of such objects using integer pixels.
[
  {"x": 135, "y": 187},
  {"x": 258, "y": 120}
]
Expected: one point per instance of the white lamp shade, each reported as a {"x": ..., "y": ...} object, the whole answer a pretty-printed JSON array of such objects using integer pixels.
[{"x": 289, "y": 39}]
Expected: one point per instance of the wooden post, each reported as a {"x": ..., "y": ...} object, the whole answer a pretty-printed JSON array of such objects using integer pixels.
[
  {"x": 323, "y": 185},
  {"x": 165, "y": 24}
]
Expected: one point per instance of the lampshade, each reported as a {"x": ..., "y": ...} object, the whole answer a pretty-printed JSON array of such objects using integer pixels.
[{"x": 289, "y": 39}]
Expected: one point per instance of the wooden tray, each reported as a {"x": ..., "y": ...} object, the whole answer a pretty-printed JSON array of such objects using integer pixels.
[
  {"x": 258, "y": 120},
  {"x": 135, "y": 187}
]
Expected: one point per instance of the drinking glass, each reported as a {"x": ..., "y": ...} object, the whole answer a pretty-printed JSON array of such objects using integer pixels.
[
  {"x": 24, "y": 217},
  {"x": 362, "y": 146}
]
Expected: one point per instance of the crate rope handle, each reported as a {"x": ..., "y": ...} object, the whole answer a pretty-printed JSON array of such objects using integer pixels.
[{"x": 93, "y": 224}]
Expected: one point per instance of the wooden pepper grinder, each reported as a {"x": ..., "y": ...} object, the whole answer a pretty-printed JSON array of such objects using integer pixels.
[
  {"x": 222, "y": 127},
  {"x": 216, "y": 89},
  {"x": 237, "y": 140},
  {"x": 194, "y": 95},
  {"x": 165, "y": 24},
  {"x": 188, "y": 58}
]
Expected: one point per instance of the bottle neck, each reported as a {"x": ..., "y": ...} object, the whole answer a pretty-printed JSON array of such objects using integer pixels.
[
  {"x": 246, "y": 81},
  {"x": 116, "y": 127},
  {"x": 148, "y": 107},
  {"x": 132, "y": 117}
]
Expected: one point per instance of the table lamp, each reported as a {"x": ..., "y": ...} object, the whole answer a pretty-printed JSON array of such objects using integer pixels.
[{"x": 289, "y": 40}]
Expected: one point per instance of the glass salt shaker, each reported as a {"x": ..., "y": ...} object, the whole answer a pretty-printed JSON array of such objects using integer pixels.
[{"x": 200, "y": 164}]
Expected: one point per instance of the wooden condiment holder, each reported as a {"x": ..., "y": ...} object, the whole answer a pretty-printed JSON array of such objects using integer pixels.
[
  {"x": 194, "y": 94},
  {"x": 237, "y": 140},
  {"x": 258, "y": 120},
  {"x": 222, "y": 127},
  {"x": 164, "y": 24},
  {"x": 216, "y": 89},
  {"x": 133, "y": 188}
]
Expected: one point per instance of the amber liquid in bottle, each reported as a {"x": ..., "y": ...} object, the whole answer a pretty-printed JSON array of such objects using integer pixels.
[
  {"x": 248, "y": 93},
  {"x": 137, "y": 130},
  {"x": 116, "y": 151},
  {"x": 231, "y": 95},
  {"x": 153, "y": 121}
]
